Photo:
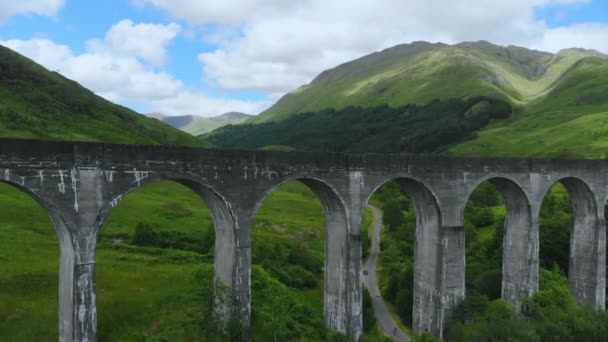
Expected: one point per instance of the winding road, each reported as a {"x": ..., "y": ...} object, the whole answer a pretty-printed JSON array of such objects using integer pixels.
[{"x": 389, "y": 326}]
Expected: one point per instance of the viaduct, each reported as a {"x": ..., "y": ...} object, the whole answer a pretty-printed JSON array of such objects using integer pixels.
[{"x": 80, "y": 183}]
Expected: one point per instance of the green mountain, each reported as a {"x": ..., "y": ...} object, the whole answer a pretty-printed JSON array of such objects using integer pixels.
[
  {"x": 197, "y": 125},
  {"x": 419, "y": 72},
  {"x": 464, "y": 99},
  {"x": 37, "y": 103}
]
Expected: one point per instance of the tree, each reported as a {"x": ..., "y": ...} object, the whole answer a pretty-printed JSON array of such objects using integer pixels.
[{"x": 392, "y": 215}]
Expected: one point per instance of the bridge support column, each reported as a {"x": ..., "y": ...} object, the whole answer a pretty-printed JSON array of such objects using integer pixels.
[
  {"x": 77, "y": 220},
  {"x": 77, "y": 304},
  {"x": 77, "y": 307},
  {"x": 355, "y": 294},
  {"x": 242, "y": 272},
  {"x": 520, "y": 260},
  {"x": 342, "y": 309},
  {"x": 587, "y": 267},
  {"x": 338, "y": 273},
  {"x": 452, "y": 274},
  {"x": 587, "y": 270},
  {"x": 439, "y": 270},
  {"x": 226, "y": 253}
]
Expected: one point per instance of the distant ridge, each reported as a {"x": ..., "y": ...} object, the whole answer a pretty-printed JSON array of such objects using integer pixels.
[{"x": 197, "y": 125}]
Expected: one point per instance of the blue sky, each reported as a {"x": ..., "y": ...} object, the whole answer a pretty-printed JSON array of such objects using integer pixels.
[{"x": 213, "y": 56}]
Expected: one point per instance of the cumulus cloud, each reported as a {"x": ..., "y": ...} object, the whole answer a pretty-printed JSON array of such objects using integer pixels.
[
  {"x": 9, "y": 8},
  {"x": 593, "y": 36},
  {"x": 122, "y": 76},
  {"x": 116, "y": 77},
  {"x": 147, "y": 41},
  {"x": 220, "y": 11},
  {"x": 283, "y": 44}
]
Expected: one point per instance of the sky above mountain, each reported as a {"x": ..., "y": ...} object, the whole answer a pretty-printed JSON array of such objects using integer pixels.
[{"x": 209, "y": 57}]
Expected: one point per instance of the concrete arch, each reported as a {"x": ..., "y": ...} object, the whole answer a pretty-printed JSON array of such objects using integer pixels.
[
  {"x": 337, "y": 300},
  {"x": 427, "y": 313},
  {"x": 520, "y": 261},
  {"x": 67, "y": 257},
  {"x": 586, "y": 273},
  {"x": 322, "y": 188},
  {"x": 224, "y": 223},
  {"x": 48, "y": 205}
]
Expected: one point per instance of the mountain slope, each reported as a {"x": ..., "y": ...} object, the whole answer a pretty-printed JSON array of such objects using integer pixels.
[
  {"x": 419, "y": 72},
  {"x": 37, "y": 103},
  {"x": 572, "y": 120},
  {"x": 197, "y": 125}
]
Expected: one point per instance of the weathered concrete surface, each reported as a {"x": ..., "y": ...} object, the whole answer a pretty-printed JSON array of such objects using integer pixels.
[{"x": 80, "y": 183}]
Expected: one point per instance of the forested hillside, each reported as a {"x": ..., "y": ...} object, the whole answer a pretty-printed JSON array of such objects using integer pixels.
[{"x": 409, "y": 129}]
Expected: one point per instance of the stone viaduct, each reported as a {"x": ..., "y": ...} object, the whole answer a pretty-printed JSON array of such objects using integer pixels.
[{"x": 80, "y": 183}]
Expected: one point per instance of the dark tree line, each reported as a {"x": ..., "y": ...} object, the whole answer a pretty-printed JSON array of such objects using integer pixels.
[{"x": 408, "y": 129}]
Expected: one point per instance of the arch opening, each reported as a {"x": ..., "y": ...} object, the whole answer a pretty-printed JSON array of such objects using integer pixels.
[
  {"x": 298, "y": 257},
  {"x": 501, "y": 241},
  {"x": 409, "y": 254},
  {"x": 570, "y": 230},
  {"x": 158, "y": 267},
  {"x": 29, "y": 254}
]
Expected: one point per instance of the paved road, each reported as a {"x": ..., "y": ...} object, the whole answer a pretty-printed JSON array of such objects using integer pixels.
[{"x": 371, "y": 282}]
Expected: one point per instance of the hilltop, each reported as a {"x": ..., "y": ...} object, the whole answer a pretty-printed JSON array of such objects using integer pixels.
[
  {"x": 37, "y": 103},
  {"x": 420, "y": 72},
  {"x": 557, "y": 104},
  {"x": 197, "y": 125}
]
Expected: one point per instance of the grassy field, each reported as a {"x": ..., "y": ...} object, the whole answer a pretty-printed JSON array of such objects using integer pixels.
[{"x": 152, "y": 293}]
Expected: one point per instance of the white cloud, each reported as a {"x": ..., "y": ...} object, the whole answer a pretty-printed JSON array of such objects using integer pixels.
[
  {"x": 117, "y": 78},
  {"x": 147, "y": 41},
  {"x": 593, "y": 36},
  {"x": 9, "y": 8},
  {"x": 220, "y": 11},
  {"x": 284, "y": 44},
  {"x": 42, "y": 51},
  {"x": 119, "y": 75}
]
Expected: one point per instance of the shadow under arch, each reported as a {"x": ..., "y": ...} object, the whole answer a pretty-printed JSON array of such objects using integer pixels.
[
  {"x": 586, "y": 272},
  {"x": 223, "y": 221},
  {"x": 427, "y": 310},
  {"x": 338, "y": 296},
  {"x": 519, "y": 241},
  {"x": 65, "y": 250}
]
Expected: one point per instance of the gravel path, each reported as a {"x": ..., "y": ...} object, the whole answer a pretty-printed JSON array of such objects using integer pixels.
[{"x": 370, "y": 281}]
